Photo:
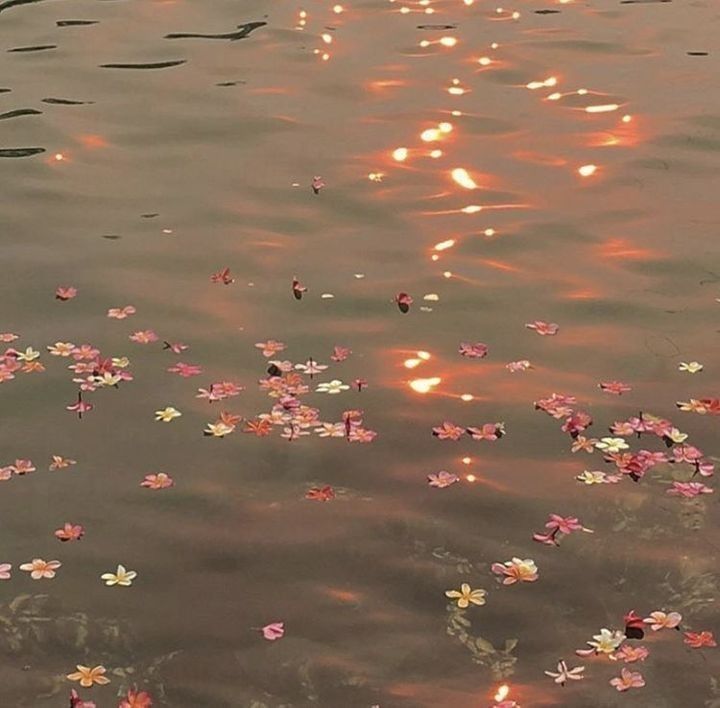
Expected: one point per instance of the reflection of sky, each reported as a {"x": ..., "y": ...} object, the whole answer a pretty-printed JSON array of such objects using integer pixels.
[{"x": 622, "y": 260}]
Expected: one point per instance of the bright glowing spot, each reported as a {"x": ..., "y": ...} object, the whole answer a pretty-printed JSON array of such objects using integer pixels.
[
  {"x": 516, "y": 15},
  {"x": 303, "y": 14},
  {"x": 424, "y": 43},
  {"x": 429, "y": 11},
  {"x": 337, "y": 9},
  {"x": 456, "y": 91},
  {"x": 489, "y": 232},
  {"x": 494, "y": 45},
  {"x": 447, "y": 274},
  {"x": 376, "y": 176},
  {"x": 400, "y": 154},
  {"x": 552, "y": 81},
  {"x": 485, "y": 61},
  {"x": 445, "y": 127},
  {"x": 448, "y": 41},
  {"x": 404, "y": 10},
  {"x": 424, "y": 385},
  {"x": 59, "y": 156},
  {"x": 411, "y": 363},
  {"x": 327, "y": 38},
  {"x": 467, "y": 397},
  {"x": 471, "y": 209},
  {"x": 430, "y": 134},
  {"x": 461, "y": 177},
  {"x": 444, "y": 245},
  {"x": 582, "y": 92},
  {"x": 533, "y": 85},
  {"x": 502, "y": 692},
  {"x": 554, "y": 96},
  {"x": 606, "y": 108},
  {"x": 325, "y": 56},
  {"x": 425, "y": 356},
  {"x": 587, "y": 170},
  {"x": 434, "y": 257},
  {"x": 466, "y": 460},
  {"x": 471, "y": 478},
  {"x": 468, "y": 2},
  {"x": 436, "y": 153},
  {"x": 456, "y": 113},
  {"x": 626, "y": 119}
]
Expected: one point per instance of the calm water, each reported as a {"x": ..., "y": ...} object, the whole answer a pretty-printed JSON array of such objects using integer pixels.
[{"x": 157, "y": 174}]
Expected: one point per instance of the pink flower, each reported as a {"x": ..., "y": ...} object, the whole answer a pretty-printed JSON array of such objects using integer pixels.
[
  {"x": 627, "y": 679},
  {"x": 583, "y": 443},
  {"x": 700, "y": 639},
  {"x": 63, "y": 293},
  {"x": 175, "y": 347},
  {"x": 361, "y": 435},
  {"x": 38, "y": 568},
  {"x": 23, "y": 467},
  {"x": 270, "y": 348},
  {"x": 543, "y": 328},
  {"x": 340, "y": 353},
  {"x": 442, "y": 479},
  {"x": 515, "y": 570},
  {"x": 615, "y": 387},
  {"x": 8, "y": 337},
  {"x": 515, "y": 366},
  {"x": 562, "y": 525},
  {"x": 403, "y": 301},
  {"x": 85, "y": 351},
  {"x": 5, "y": 569},
  {"x": 661, "y": 620},
  {"x": 273, "y": 631},
  {"x": 145, "y": 336},
  {"x": 489, "y": 431},
  {"x": 317, "y": 184},
  {"x": 448, "y": 431},
  {"x": 630, "y": 654},
  {"x": 689, "y": 489},
  {"x": 185, "y": 370},
  {"x": 576, "y": 423},
  {"x": 222, "y": 276},
  {"x": 77, "y": 702},
  {"x": 70, "y": 532},
  {"x": 474, "y": 351},
  {"x": 157, "y": 481},
  {"x": 121, "y": 313}
]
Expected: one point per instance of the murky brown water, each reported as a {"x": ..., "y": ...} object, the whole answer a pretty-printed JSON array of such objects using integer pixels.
[{"x": 624, "y": 260}]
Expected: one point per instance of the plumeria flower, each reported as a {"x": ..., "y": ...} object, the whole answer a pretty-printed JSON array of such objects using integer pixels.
[
  {"x": 28, "y": 355},
  {"x": 515, "y": 570},
  {"x": 77, "y": 702},
  {"x": 185, "y": 370},
  {"x": 121, "y": 313},
  {"x": 311, "y": 367},
  {"x": 175, "y": 347},
  {"x": 88, "y": 677},
  {"x": 61, "y": 349},
  {"x": 157, "y": 481},
  {"x": 698, "y": 640},
  {"x": 39, "y": 569},
  {"x": 22, "y": 467},
  {"x": 270, "y": 347},
  {"x": 693, "y": 406},
  {"x": 615, "y": 387},
  {"x": 145, "y": 336},
  {"x": 331, "y": 430},
  {"x": 629, "y": 654},
  {"x": 325, "y": 493},
  {"x": 466, "y": 595},
  {"x": 442, "y": 479},
  {"x": 583, "y": 443},
  {"x": 515, "y": 366},
  {"x": 273, "y": 631},
  {"x": 121, "y": 362},
  {"x": 489, "y": 431},
  {"x": 65, "y": 293},
  {"x": 218, "y": 429},
  {"x": 692, "y": 368},
  {"x": 332, "y": 387},
  {"x": 473, "y": 351},
  {"x": 674, "y": 435},
  {"x": 223, "y": 276},
  {"x": 564, "y": 674},
  {"x": 403, "y": 301},
  {"x": 559, "y": 525},
  {"x": 689, "y": 489},
  {"x": 627, "y": 680},
  {"x": 662, "y": 620},
  {"x": 448, "y": 431},
  {"x": 70, "y": 532},
  {"x": 543, "y": 328},
  {"x": 604, "y": 643},
  {"x": 136, "y": 699},
  {"x": 166, "y": 415},
  {"x": 8, "y": 337},
  {"x": 340, "y": 353},
  {"x": 120, "y": 577},
  {"x": 5, "y": 569},
  {"x": 611, "y": 445},
  {"x": 85, "y": 352}
]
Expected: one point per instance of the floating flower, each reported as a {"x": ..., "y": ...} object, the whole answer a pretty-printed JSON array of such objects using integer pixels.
[
  {"x": 5, "y": 569},
  {"x": 442, "y": 479},
  {"x": 157, "y": 481},
  {"x": 325, "y": 493},
  {"x": 448, "y": 431},
  {"x": 22, "y": 467},
  {"x": 515, "y": 570},
  {"x": 87, "y": 676},
  {"x": 692, "y": 367},
  {"x": 185, "y": 370},
  {"x": 223, "y": 276},
  {"x": 64, "y": 349},
  {"x": 120, "y": 577},
  {"x": 627, "y": 680},
  {"x": 564, "y": 674},
  {"x": 610, "y": 445},
  {"x": 662, "y": 620},
  {"x": 473, "y": 351},
  {"x": 70, "y": 532},
  {"x": 166, "y": 415},
  {"x": 340, "y": 353},
  {"x": 136, "y": 699},
  {"x": 403, "y": 301},
  {"x": 311, "y": 367},
  {"x": 543, "y": 328},
  {"x": 332, "y": 387},
  {"x": 59, "y": 462},
  {"x": 466, "y": 595},
  {"x": 615, "y": 387},
  {"x": 630, "y": 654},
  {"x": 218, "y": 430},
  {"x": 270, "y": 348},
  {"x": 700, "y": 639},
  {"x": 273, "y": 631},
  {"x": 583, "y": 443},
  {"x": 145, "y": 336},
  {"x": 515, "y": 366},
  {"x": 559, "y": 525},
  {"x": 604, "y": 643},
  {"x": 121, "y": 313},
  {"x": 28, "y": 355},
  {"x": 489, "y": 431},
  {"x": 77, "y": 702},
  {"x": 65, "y": 293},
  {"x": 39, "y": 569},
  {"x": 689, "y": 489}
]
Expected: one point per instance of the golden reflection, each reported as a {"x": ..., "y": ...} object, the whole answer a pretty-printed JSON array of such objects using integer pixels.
[
  {"x": 604, "y": 108},
  {"x": 460, "y": 176},
  {"x": 444, "y": 245},
  {"x": 424, "y": 385},
  {"x": 502, "y": 693},
  {"x": 587, "y": 170},
  {"x": 400, "y": 154}
]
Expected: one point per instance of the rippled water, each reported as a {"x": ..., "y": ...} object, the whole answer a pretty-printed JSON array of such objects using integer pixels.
[{"x": 151, "y": 144}]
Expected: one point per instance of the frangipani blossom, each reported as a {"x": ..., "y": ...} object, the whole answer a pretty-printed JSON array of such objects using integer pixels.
[
  {"x": 604, "y": 643},
  {"x": 325, "y": 493},
  {"x": 515, "y": 366},
  {"x": 697, "y": 640},
  {"x": 5, "y": 571},
  {"x": 627, "y": 680},
  {"x": 516, "y": 570},
  {"x": 146, "y": 336},
  {"x": 121, "y": 313},
  {"x": 218, "y": 429},
  {"x": 663, "y": 620},
  {"x": 65, "y": 293},
  {"x": 70, "y": 532},
  {"x": 121, "y": 576},
  {"x": 157, "y": 481},
  {"x": 473, "y": 351},
  {"x": 692, "y": 367},
  {"x": 136, "y": 699},
  {"x": 615, "y": 387},
  {"x": 63, "y": 349},
  {"x": 332, "y": 387},
  {"x": 167, "y": 415},
  {"x": 270, "y": 348},
  {"x": 466, "y": 596},
  {"x": 610, "y": 445},
  {"x": 559, "y": 525},
  {"x": 39, "y": 569},
  {"x": 442, "y": 479},
  {"x": 564, "y": 674},
  {"x": 543, "y": 328},
  {"x": 273, "y": 631},
  {"x": 88, "y": 677},
  {"x": 448, "y": 431},
  {"x": 689, "y": 489},
  {"x": 629, "y": 654},
  {"x": 583, "y": 443}
]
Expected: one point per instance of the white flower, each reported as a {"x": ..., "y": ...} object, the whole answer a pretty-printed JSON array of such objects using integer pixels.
[
  {"x": 611, "y": 445},
  {"x": 692, "y": 368},
  {"x": 331, "y": 430},
  {"x": 607, "y": 641},
  {"x": 167, "y": 414},
  {"x": 311, "y": 367},
  {"x": 121, "y": 577},
  {"x": 595, "y": 477},
  {"x": 334, "y": 386},
  {"x": 564, "y": 674}
]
